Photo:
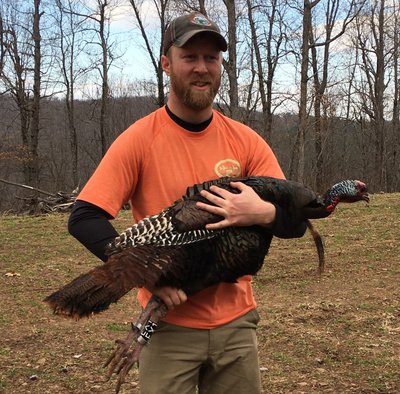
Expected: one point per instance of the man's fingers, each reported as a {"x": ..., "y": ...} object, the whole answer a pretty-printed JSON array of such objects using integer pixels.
[
  {"x": 218, "y": 195},
  {"x": 210, "y": 208},
  {"x": 175, "y": 298},
  {"x": 240, "y": 186},
  {"x": 170, "y": 296},
  {"x": 218, "y": 225},
  {"x": 215, "y": 199},
  {"x": 182, "y": 297}
]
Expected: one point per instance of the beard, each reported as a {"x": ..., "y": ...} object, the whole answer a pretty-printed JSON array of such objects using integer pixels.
[{"x": 194, "y": 99}]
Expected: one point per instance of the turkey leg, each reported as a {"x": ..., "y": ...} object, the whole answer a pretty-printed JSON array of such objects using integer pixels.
[{"x": 122, "y": 360}]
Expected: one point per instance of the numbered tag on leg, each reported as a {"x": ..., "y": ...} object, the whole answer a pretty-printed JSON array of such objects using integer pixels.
[{"x": 147, "y": 332}]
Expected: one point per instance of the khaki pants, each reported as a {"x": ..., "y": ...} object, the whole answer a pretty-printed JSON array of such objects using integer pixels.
[{"x": 182, "y": 360}]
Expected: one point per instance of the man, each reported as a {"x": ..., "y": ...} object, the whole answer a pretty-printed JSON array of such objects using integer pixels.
[{"x": 207, "y": 341}]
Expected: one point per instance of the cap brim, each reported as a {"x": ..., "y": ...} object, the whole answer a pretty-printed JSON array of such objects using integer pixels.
[{"x": 190, "y": 34}]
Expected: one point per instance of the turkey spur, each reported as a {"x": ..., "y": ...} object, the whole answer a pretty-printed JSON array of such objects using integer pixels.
[{"x": 174, "y": 249}]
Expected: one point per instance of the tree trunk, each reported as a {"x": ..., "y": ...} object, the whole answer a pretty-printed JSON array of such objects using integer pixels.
[
  {"x": 379, "y": 97},
  {"x": 265, "y": 88},
  {"x": 230, "y": 65},
  {"x": 393, "y": 161},
  {"x": 297, "y": 162},
  {"x": 33, "y": 164},
  {"x": 2, "y": 45},
  {"x": 104, "y": 78},
  {"x": 155, "y": 57}
]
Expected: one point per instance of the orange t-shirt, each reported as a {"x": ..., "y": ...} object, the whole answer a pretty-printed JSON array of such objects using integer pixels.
[{"x": 153, "y": 162}]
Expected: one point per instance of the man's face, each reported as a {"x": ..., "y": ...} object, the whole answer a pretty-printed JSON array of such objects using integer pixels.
[{"x": 195, "y": 72}]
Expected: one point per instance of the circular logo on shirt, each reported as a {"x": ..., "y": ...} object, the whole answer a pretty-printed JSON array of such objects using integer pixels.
[{"x": 228, "y": 167}]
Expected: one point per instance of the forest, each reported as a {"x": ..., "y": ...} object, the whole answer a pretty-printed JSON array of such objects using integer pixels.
[{"x": 318, "y": 80}]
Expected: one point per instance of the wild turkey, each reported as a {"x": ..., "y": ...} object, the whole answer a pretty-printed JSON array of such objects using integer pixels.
[{"x": 173, "y": 248}]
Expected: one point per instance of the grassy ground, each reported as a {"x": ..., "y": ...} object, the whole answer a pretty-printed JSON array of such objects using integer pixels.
[{"x": 336, "y": 334}]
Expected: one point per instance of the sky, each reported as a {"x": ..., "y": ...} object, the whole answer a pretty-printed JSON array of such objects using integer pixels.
[{"x": 136, "y": 61}]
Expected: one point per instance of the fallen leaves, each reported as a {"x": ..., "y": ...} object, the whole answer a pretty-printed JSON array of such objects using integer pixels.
[{"x": 12, "y": 274}]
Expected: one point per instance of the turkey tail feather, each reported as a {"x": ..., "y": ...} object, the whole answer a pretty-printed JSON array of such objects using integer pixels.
[
  {"x": 96, "y": 290},
  {"x": 319, "y": 244},
  {"x": 87, "y": 294}
]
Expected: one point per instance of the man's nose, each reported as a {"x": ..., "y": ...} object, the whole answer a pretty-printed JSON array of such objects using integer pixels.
[{"x": 201, "y": 66}]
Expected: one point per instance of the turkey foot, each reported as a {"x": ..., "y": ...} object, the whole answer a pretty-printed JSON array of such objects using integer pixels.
[{"x": 122, "y": 360}]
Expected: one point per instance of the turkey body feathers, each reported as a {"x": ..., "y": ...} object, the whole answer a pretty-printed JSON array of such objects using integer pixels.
[
  {"x": 183, "y": 222},
  {"x": 173, "y": 248}
]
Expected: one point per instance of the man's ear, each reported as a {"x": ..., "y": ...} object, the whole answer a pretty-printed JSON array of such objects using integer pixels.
[{"x": 166, "y": 64}]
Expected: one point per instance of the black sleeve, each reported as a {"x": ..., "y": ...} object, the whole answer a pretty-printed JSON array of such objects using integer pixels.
[
  {"x": 282, "y": 227},
  {"x": 90, "y": 225}
]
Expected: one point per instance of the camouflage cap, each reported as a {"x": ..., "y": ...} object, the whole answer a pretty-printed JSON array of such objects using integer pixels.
[{"x": 183, "y": 28}]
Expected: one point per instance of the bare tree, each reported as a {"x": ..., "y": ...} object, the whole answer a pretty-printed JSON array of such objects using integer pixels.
[
  {"x": 312, "y": 44},
  {"x": 2, "y": 44},
  {"x": 100, "y": 17},
  {"x": 334, "y": 10},
  {"x": 21, "y": 43},
  {"x": 32, "y": 142},
  {"x": 183, "y": 6},
  {"x": 154, "y": 52},
  {"x": 394, "y": 160},
  {"x": 230, "y": 64},
  {"x": 375, "y": 57},
  {"x": 105, "y": 90},
  {"x": 297, "y": 159},
  {"x": 71, "y": 48},
  {"x": 268, "y": 34}
]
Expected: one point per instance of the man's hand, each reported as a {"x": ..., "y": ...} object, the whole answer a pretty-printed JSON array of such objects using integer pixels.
[
  {"x": 243, "y": 209},
  {"x": 171, "y": 296}
]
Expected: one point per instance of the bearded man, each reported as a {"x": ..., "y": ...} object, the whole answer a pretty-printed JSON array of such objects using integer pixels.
[{"x": 207, "y": 342}]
